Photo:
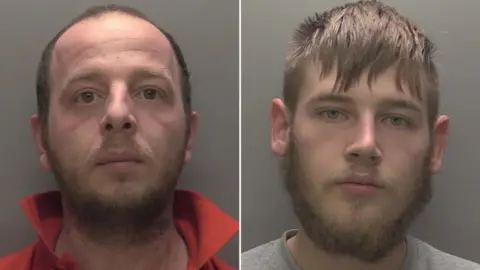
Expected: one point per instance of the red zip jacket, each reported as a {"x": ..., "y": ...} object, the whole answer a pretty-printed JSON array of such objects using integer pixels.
[{"x": 204, "y": 227}]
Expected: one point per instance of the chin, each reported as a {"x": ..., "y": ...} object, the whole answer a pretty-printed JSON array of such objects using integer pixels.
[
  {"x": 366, "y": 215},
  {"x": 121, "y": 192}
]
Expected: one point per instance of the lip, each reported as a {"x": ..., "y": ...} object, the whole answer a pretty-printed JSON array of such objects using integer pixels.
[
  {"x": 359, "y": 189},
  {"x": 360, "y": 185},
  {"x": 361, "y": 180},
  {"x": 124, "y": 158}
]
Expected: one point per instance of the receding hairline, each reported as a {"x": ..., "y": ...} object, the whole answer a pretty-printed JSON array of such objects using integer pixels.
[
  {"x": 172, "y": 59},
  {"x": 107, "y": 14}
]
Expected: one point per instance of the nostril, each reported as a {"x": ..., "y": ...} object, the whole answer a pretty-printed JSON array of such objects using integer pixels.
[{"x": 124, "y": 126}]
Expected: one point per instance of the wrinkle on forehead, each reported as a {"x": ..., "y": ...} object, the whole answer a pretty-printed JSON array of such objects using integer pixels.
[
  {"x": 68, "y": 56},
  {"x": 111, "y": 33}
]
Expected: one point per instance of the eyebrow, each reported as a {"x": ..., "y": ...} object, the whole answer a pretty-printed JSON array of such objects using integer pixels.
[
  {"x": 96, "y": 75},
  {"x": 396, "y": 103},
  {"x": 400, "y": 104},
  {"x": 87, "y": 75},
  {"x": 331, "y": 98},
  {"x": 146, "y": 73}
]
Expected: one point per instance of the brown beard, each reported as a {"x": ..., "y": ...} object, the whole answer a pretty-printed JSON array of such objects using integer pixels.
[
  {"x": 369, "y": 246},
  {"x": 136, "y": 221}
]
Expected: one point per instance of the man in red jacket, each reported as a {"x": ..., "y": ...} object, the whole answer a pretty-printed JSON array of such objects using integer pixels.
[{"x": 115, "y": 126}]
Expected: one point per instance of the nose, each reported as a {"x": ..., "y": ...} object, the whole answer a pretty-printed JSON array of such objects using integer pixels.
[
  {"x": 364, "y": 148},
  {"x": 118, "y": 116}
]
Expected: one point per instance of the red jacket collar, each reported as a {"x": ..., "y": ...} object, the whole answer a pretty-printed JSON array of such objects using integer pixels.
[{"x": 204, "y": 227}]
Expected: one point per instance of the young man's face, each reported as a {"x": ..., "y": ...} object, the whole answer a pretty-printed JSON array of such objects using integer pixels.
[{"x": 358, "y": 162}]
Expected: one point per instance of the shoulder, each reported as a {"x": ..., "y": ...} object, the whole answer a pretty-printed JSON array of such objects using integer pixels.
[
  {"x": 17, "y": 261},
  {"x": 262, "y": 257},
  {"x": 434, "y": 258}
]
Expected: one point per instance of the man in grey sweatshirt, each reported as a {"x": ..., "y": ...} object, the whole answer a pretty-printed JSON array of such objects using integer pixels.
[{"x": 360, "y": 136}]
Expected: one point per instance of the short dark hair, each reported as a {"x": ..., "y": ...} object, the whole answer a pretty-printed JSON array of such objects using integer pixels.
[
  {"x": 43, "y": 71},
  {"x": 359, "y": 37}
]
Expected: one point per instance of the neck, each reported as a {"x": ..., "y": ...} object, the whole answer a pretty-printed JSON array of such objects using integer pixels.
[
  {"x": 308, "y": 256},
  {"x": 163, "y": 249}
]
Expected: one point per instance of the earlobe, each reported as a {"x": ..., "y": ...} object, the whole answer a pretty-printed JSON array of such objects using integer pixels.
[
  {"x": 191, "y": 137},
  {"x": 39, "y": 141},
  {"x": 280, "y": 128},
  {"x": 440, "y": 136}
]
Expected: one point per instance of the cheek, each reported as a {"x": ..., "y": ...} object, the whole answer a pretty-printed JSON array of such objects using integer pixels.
[
  {"x": 404, "y": 164},
  {"x": 72, "y": 139},
  {"x": 162, "y": 131},
  {"x": 408, "y": 151},
  {"x": 321, "y": 140},
  {"x": 320, "y": 153}
]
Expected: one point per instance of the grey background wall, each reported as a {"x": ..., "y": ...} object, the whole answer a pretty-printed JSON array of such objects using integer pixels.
[
  {"x": 451, "y": 222},
  {"x": 207, "y": 31}
]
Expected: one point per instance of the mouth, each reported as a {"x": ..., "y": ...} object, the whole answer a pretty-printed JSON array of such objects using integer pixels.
[
  {"x": 361, "y": 186},
  {"x": 360, "y": 183},
  {"x": 118, "y": 161}
]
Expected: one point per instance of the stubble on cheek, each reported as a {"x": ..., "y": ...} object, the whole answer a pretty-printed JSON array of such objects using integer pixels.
[{"x": 71, "y": 146}]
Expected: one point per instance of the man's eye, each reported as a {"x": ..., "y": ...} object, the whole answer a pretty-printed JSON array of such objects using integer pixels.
[
  {"x": 151, "y": 94},
  {"x": 332, "y": 115},
  {"x": 86, "y": 97},
  {"x": 397, "y": 121}
]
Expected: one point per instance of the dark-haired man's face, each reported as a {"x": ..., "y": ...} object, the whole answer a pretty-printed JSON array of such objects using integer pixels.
[
  {"x": 116, "y": 137},
  {"x": 357, "y": 163}
]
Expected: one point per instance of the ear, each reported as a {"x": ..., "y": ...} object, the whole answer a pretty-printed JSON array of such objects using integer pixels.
[
  {"x": 280, "y": 127},
  {"x": 440, "y": 135},
  {"x": 191, "y": 136},
  {"x": 38, "y": 137}
]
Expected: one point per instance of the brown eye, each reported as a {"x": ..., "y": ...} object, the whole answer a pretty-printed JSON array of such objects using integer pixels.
[
  {"x": 86, "y": 97},
  {"x": 151, "y": 94}
]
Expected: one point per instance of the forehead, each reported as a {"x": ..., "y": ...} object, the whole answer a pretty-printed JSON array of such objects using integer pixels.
[
  {"x": 382, "y": 86},
  {"x": 111, "y": 34}
]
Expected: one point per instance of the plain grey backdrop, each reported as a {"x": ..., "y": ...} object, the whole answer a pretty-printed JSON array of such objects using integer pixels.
[
  {"x": 207, "y": 31},
  {"x": 451, "y": 222}
]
